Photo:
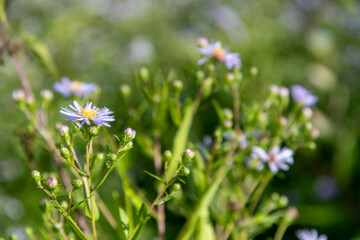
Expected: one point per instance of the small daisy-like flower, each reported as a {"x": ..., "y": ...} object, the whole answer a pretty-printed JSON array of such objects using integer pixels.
[
  {"x": 98, "y": 116},
  {"x": 276, "y": 158},
  {"x": 19, "y": 95},
  {"x": 216, "y": 51},
  {"x": 79, "y": 89},
  {"x": 232, "y": 60},
  {"x": 303, "y": 96},
  {"x": 306, "y": 234}
]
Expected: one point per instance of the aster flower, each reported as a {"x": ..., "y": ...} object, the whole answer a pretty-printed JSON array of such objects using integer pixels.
[
  {"x": 98, "y": 116},
  {"x": 276, "y": 158},
  {"x": 306, "y": 234},
  {"x": 303, "y": 96},
  {"x": 232, "y": 60},
  {"x": 79, "y": 89}
]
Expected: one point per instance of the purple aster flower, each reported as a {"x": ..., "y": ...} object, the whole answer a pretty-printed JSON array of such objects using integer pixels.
[
  {"x": 232, "y": 60},
  {"x": 276, "y": 158},
  {"x": 212, "y": 50},
  {"x": 306, "y": 234},
  {"x": 98, "y": 116},
  {"x": 303, "y": 96},
  {"x": 68, "y": 88}
]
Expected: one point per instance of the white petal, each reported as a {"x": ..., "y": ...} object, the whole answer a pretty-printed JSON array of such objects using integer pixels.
[
  {"x": 274, "y": 169},
  {"x": 284, "y": 153},
  {"x": 275, "y": 150},
  {"x": 260, "y": 153}
]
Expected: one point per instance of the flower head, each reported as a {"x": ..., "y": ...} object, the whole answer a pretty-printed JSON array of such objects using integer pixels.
[
  {"x": 303, "y": 96},
  {"x": 306, "y": 234},
  {"x": 216, "y": 51},
  {"x": 79, "y": 89},
  {"x": 19, "y": 95},
  {"x": 276, "y": 158},
  {"x": 98, "y": 116}
]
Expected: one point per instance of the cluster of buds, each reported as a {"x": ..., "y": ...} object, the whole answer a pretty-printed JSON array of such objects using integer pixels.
[{"x": 128, "y": 135}]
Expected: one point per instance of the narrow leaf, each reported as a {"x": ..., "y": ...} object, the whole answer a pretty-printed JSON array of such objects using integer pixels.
[{"x": 154, "y": 176}]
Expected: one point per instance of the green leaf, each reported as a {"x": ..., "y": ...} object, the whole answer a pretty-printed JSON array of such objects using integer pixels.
[
  {"x": 40, "y": 52},
  {"x": 154, "y": 176},
  {"x": 174, "y": 112},
  {"x": 3, "y": 17},
  {"x": 142, "y": 217},
  {"x": 164, "y": 200},
  {"x": 181, "y": 138},
  {"x": 124, "y": 226}
]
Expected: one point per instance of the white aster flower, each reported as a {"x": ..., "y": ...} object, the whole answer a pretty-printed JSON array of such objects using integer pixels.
[
  {"x": 276, "y": 158},
  {"x": 306, "y": 234},
  {"x": 98, "y": 116}
]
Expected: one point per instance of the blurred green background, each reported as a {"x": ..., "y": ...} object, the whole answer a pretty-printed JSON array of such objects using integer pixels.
[{"x": 315, "y": 43}]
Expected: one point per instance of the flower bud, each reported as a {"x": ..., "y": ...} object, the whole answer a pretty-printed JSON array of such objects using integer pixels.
[
  {"x": 178, "y": 85},
  {"x": 308, "y": 127},
  {"x": 94, "y": 131},
  {"x": 47, "y": 95},
  {"x": 291, "y": 214},
  {"x": 77, "y": 183},
  {"x": 64, "y": 134},
  {"x": 65, "y": 152},
  {"x": 200, "y": 75},
  {"x": 129, "y": 135},
  {"x": 315, "y": 133},
  {"x": 203, "y": 42},
  {"x": 283, "y": 92},
  {"x": 51, "y": 183},
  {"x": 188, "y": 156},
  {"x": 207, "y": 87},
  {"x": 125, "y": 90},
  {"x": 211, "y": 67},
  {"x": 176, "y": 187},
  {"x": 44, "y": 205},
  {"x": 228, "y": 114},
  {"x": 254, "y": 71},
  {"x": 167, "y": 155},
  {"x": 36, "y": 176},
  {"x": 228, "y": 124},
  {"x": 110, "y": 159},
  {"x": 144, "y": 74},
  {"x": 19, "y": 95},
  {"x": 186, "y": 171},
  {"x": 230, "y": 77},
  {"x": 306, "y": 113},
  {"x": 64, "y": 205},
  {"x": 283, "y": 202},
  {"x": 274, "y": 89}
]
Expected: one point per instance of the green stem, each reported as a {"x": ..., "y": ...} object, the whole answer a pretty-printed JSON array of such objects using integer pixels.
[
  {"x": 259, "y": 191},
  {"x": 92, "y": 197}
]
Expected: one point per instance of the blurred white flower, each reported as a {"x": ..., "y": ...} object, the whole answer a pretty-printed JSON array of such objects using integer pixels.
[{"x": 306, "y": 234}]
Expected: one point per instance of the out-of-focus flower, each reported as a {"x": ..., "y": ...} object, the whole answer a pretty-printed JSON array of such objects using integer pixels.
[
  {"x": 276, "y": 158},
  {"x": 232, "y": 60},
  {"x": 19, "y": 95},
  {"x": 79, "y": 89},
  {"x": 243, "y": 142},
  {"x": 47, "y": 94},
  {"x": 306, "y": 234},
  {"x": 303, "y": 96},
  {"x": 98, "y": 116},
  {"x": 216, "y": 51},
  {"x": 203, "y": 42}
]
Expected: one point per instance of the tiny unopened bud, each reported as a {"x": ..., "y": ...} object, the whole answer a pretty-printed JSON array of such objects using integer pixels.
[
  {"x": 44, "y": 205},
  {"x": 51, "y": 182},
  {"x": 36, "y": 176},
  {"x": 65, "y": 152},
  {"x": 200, "y": 75},
  {"x": 307, "y": 113},
  {"x": 254, "y": 71},
  {"x": 111, "y": 157},
  {"x": 211, "y": 67},
  {"x": 176, "y": 187},
  {"x": 284, "y": 121},
  {"x": 274, "y": 89},
  {"x": 19, "y": 95},
  {"x": 203, "y": 42},
  {"x": 283, "y": 201},
  {"x": 129, "y": 135},
  {"x": 292, "y": 213},
  {"x": 228, "y": 124},
  {"x": 167, "y": 155},
  {"x": 30, "y": 101},
  {"x": 311, "y": 145},
  {"x": 64, "y": 205},
  {"x": 228, "y": 114},
  {"x": 178, "y": 85},
  {"x": 63, "y": 130},
  {"x": 125, "y": 90},
  {"x": 77, "y": 183},
  {"x": 94, "y": 131},
  {"x": 283, "y": 92},
  {"x": 230, "y": 77},
  {"x": 186, "y": 171},
  {"x": 308, "y": 127},
  {"x": 47, "y": 94},
  {"x": 144, "y": 73},
  {"x": 188, "y": 156},
  {"x": 315, "y": 133},
  {"x": 99, "y": 157}
]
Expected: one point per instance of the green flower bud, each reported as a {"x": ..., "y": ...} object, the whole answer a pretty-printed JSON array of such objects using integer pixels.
[
  {"x": 211, "y": 67},
  {"x": 129, "y": 134},
  {"x": 110, "y": 159},
  {"x": 200, "y": 75},
  {"x": 94, "y": 131},
  {"x": 230, "y": 77},
  {"x": 176, "y": 187},
  {"x": 167, "y": 155},
  {"x": 188, "y": 155},
  {"x": 144, "y": 74},
  {"x": 306, "y": 113},
  {"x": 228, "y": 114},
  {"x": 178, "y": 85},
  {"x": 19, "y": 95},
  {"x": 36, "y": 176},
  {"x": 44, "y": 205},
  {"x": 308, "y": 127},
  {"x": 64, "y": 205},
  {"x": 47, "y": 95},
  {"x": 65, "y": 152},
  {"x": 254, "y": 71},
  {"x": 51, "y": 183},
  {"x": 283, "y": 202},
  {"x": 186, "y": 171},
  {"x": 228, "y": 124},
  {"x": 64, "y": 134},
  {"x": 77, "y": 183},
  {"x": 207, "y": 84},
  {"x": 125, "y": 90}
]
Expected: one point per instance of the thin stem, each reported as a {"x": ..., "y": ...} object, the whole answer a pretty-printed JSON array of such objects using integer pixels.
[
  {"x": 235, "y": 91},
  {"x": 92, "y": 198},
  {"x": 158, "y": 166},
  {"x": 75, "y": 156}
]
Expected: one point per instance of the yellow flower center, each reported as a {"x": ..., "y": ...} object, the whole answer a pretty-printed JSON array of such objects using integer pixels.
[
  {"x": 88, "y": 113},
  {"x": 76, "y": 85},
  {"x": 218, "y": 53}
]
